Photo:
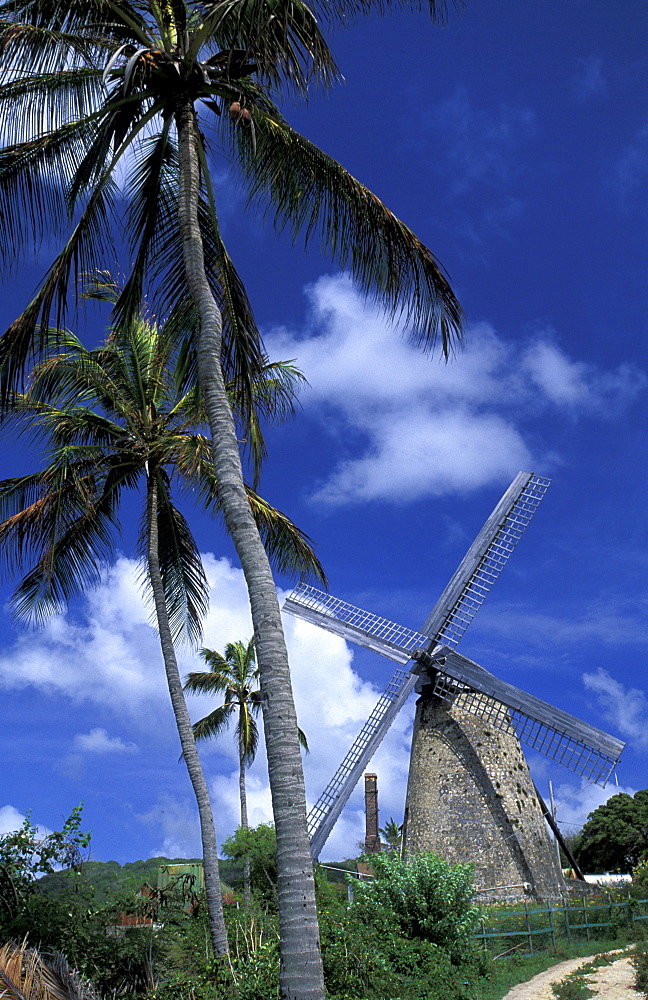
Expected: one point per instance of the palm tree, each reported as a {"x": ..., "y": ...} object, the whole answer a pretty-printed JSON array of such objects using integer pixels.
[
  {"x": 112, "y": 418},
  {"x": 94, "y": 90},
  {"x": 392, "y": 831},
  {"x": 235, "y": 675}
]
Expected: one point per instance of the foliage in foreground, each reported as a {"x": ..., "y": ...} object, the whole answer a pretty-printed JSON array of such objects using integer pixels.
[
  {"x": 25, "y": 855},
  {"x": 640, "y": 963},
  {"x": 428, "y": 898},
  {"x": 367, "y": 953},
  {"x": 259, "y": 845}
]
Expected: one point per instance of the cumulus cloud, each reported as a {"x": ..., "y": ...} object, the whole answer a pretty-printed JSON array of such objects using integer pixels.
[
  {"x": 11, "y": 819},
  {"x": 99, "y": 742},
  {"x": 625, "y": 708},
  {"x": 107, "y": 654},
  {"x": 175, "y": 822},
  {"x": 419, "y": 427},
  {"x": 332, "y": 704}
]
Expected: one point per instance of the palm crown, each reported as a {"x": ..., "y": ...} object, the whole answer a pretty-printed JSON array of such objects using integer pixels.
[
  {"x": 235, "y": 676},
  {"x": 112, "y": 417},
  {"x": 90, "y": 96}
]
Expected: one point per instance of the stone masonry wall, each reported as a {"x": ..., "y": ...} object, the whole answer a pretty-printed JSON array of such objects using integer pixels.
[{"x": 470, "y": 797}]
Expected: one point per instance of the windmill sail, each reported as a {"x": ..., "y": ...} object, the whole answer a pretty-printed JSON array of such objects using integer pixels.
[
  {"x": 558, "y": 735},
  {"x": 451, "y": 615},
  {"x": 577, "y": 745}
]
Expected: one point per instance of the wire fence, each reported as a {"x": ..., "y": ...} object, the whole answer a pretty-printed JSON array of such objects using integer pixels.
[{"x": 532, "y": 929}]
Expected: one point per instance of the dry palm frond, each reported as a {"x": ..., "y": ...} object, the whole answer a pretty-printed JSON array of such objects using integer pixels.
[{"x": 25, "y": 974}]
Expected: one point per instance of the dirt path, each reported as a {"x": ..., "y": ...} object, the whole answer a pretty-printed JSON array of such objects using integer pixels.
[{"x": 611, "y": 982}]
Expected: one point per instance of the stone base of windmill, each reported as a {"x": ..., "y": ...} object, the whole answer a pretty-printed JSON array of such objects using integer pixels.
[{"x": 470, "y": 797}]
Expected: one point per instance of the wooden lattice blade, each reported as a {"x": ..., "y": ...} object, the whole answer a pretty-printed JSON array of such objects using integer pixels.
[
  {"x": 358, "y": 626},
  {"x": 577, "y": 745},
  {"x": 485, "y": 559}
]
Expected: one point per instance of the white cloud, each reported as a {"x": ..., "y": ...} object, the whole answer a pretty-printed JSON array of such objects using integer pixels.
[
  {"x": 410, "y": 427},
  {"x": 10, "y": 819},
  {"x": 332, "y": 705},
  {"x": 626, "y": 708},
  {"x": 575, "y": 385},
  {"x": 108, "y": 653},
  {"x": 109, "y": 656},
  {"x": 176, "y": 822},
  {"x": 413, "y": 456},
  {"x": 99, "y": 742}
]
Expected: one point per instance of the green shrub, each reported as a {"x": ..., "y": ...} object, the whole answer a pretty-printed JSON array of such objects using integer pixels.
[
  {"x": 371, "y": 959},
  {"x": 425, "y": 896},
  {"x": 640, "y": 962}
]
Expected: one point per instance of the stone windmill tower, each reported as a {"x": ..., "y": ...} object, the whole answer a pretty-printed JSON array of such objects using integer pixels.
[{"x": 470, "y": 796}]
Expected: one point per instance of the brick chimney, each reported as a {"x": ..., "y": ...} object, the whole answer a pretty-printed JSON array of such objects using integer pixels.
[{"x": 372, "y": 837}]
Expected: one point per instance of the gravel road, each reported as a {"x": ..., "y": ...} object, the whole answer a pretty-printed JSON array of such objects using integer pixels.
[{"x": 611, "y": 982}]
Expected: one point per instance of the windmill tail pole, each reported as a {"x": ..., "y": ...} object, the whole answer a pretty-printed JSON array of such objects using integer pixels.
[{"x": 555, "y": 829}]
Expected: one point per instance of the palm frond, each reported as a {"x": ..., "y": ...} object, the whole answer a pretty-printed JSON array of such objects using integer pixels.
[
  {"x": 160, "y": 252},
  {"x": 289, "y": 549},
  {"x": 282, "y": 40},
  {"x": 310, "y": 195},
  {"x": 183, "y": 576},
  {"x": 26, "y": 974},
  {"x": 247, "y": 732},
  {"x": 26, "y": 102},
  {"x": 22, "y": 341},
  {"x": 213, "y": 681},
  {"x": 213, "y": 724},
  {"x": 348, "y": 10},
  {"x": 152, "y": 204},
  {"x": 34, "y": 176},
  {"x": 68, "y": 530}
]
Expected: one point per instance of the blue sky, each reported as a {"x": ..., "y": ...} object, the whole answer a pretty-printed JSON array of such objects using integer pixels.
[{"x": 514, "y": 141}]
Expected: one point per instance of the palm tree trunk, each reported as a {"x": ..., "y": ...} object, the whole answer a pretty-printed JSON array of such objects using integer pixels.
[
  {"x": 301, "y": 963},
  {"x": 247, "y": 891},
  {"x": 185, "y": 732}
]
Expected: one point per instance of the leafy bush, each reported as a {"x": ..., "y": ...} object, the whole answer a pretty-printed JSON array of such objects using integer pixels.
[
  {"x": 259, "y": 844},
  {"x": 25, "y": 855},
  {"x": 426, "y": 897},
  {"x": 640, "y": 962},
  {"x": 373, "y": 960}
]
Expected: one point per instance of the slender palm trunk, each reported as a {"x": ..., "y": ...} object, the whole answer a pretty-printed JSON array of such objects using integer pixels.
[
  {"x": 301, "y": 963},
  {"x": 185, "y": 732},
  {"x": 247, "y": 892}
]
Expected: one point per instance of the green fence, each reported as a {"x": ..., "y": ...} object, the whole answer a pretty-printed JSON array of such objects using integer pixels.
[{"x": 536, "y": 929}]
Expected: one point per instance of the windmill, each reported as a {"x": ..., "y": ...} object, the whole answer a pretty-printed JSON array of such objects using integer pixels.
[{"x": 470, "y": 795}]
